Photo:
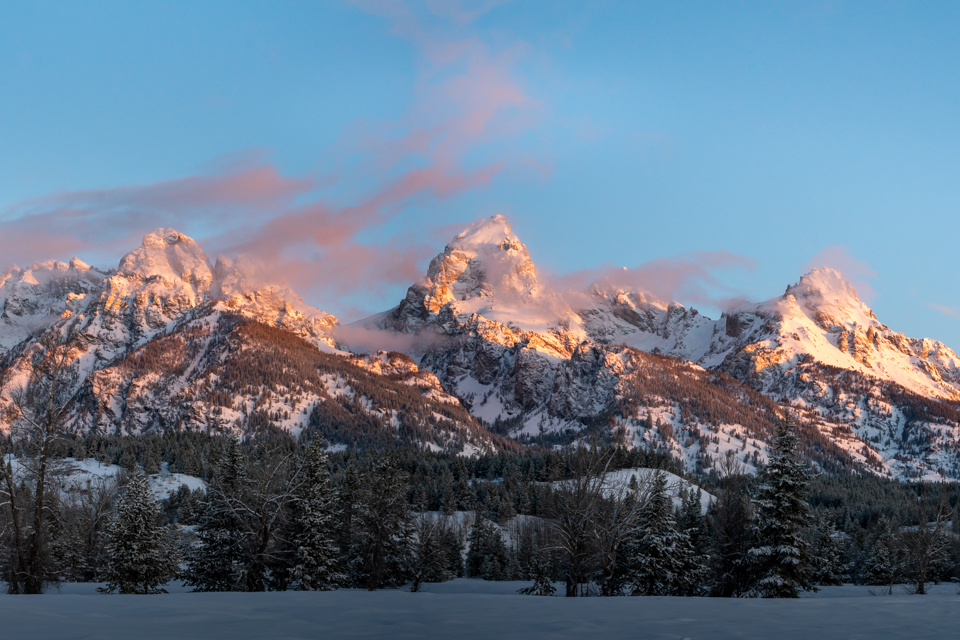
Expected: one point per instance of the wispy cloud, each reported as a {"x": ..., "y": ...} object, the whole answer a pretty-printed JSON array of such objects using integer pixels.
[
  {"x": 693, "y": 277},
  {"x": 468, "y": 101},
  {"x": 854, "y": 271},
  {"x": 953, "y": 312}
]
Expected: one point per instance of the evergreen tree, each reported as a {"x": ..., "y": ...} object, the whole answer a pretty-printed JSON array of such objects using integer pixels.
[
  {"x": 826, "y": 551},
  {"x": 140, "y": 555},
  {"x": 658, "y": 553},
  {"x": 883, "y": 563},
  {"x": 214, "y": 564},
  {"x": 487, "y": 556},
  {"x": 782, "y": 554},
  {"x": 451, "y": 547},
  {"x": 730, "y": 530},
  {"x": 430, "y": 563},
  {"x": 542, "y": 586},
  {"x": 382, "y": 532},
  {"x": 693, "y": 575},
  {"x": 316, "y": 555}
]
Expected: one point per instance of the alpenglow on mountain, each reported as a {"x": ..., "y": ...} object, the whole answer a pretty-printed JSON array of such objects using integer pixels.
[{"x": 171, "y": 341}]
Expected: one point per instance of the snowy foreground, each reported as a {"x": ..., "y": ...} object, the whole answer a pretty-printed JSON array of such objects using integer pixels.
[{"x": 467, "y": 609}]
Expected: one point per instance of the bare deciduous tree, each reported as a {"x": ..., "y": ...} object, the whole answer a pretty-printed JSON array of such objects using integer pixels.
[
  {"x": 619, "y": 512},
  {"x": 573, "y": 512},
  {"x": 41, "y": 408},
  {"x": 926, "y": 541}
]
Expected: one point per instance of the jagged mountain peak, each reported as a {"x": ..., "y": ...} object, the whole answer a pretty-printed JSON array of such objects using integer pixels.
[
  {"x": 826, "y": 285},
  {"x": 488, "y": 259},
  {"x": 484, "y": 268},
  {"x": 828, "y": 299},
  {"x": 171, "y": 255},
  {"x": 488, "y": 235},
  {"x": 47, "y": 271}
]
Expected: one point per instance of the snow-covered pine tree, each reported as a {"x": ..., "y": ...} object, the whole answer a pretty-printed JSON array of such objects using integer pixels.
[
  {"x": 430, "y": 561},
  {"x": 381, "y": 533},
  {"x": 826, "y": 551},
  {"x": 316, "y": 552},
  {"x": 658, "y": 552},
  {"x": 782, "y": 552},
  {"x": 214, "y": 564},
  {"x": 883, "y": 563},
  {"x": 477, "y": 545},
  {"x": 542, "y": 586},
  {"x": 693, "y": 575},
  {"x": 730, "y": 531},
  {"x": 141, "y": 557},
  {"x": 487, "y": 556}
]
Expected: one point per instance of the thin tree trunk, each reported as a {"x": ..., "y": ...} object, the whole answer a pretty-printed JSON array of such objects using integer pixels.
[{"x": 34, "y": 582}]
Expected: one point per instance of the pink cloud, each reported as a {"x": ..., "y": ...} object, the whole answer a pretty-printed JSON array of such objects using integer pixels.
[
  {"x": 953, "y": 312},
  {"x": 101, "y": 220},
  {"x": 855, "y": 271},
  {"x": 691, "y": 277},
  {"x": 468, "y": 102}
]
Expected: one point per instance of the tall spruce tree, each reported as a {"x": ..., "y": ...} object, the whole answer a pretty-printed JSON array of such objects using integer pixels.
[
  {"x": 730, "y": 531},
  {"x": 658, "y": 552},
  {"x": 782, "y": 552},
  {"x": 214, "y": 564},
  {"x": 140, "y": 556},
  {"x": 316, "y": 557},
  {"x": 826, "y": 551},
  {"x": 382, "y": 531},
  {"x": 693, "y": 575},
  {"x": 883, "y": 564}
]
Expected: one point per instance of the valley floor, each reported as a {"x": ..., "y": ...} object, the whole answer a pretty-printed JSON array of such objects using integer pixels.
[{"x": 468, "y": 609}]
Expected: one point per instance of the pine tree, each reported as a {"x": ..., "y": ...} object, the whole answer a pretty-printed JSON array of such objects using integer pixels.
[
  {"x": 542, "y": 586},
  {"x": 730, "y": 530},
  {"x": 382, "y": 533},
  {"x": 883, "y": 564},
  {"x": 215, "y": 563},
  {"x": 477, "y": 546},
  {"x": 826, "y": 551},
  {"x": 140, "y": 555},
  {"x": 316, "y": 555},
  {"x": 782, "y": 554},
  {"x": 658, "y": 552},
  {"x": 693, "y": 553},
  {"x": 488, "y": 557},
  {"x": 429, "y": 562}
]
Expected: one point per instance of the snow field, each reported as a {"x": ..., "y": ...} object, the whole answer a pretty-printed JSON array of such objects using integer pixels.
[{"x": 473, "y": 609}]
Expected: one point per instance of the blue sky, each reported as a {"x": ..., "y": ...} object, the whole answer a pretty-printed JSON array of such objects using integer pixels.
[{"x": 608, "y": 133}]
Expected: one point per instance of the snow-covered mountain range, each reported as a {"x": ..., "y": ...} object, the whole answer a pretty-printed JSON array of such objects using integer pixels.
[
  {"x": 170, "y": 341},
  {"x": 516, "y": 352}
]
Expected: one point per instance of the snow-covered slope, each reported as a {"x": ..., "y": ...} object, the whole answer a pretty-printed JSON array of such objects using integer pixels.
[
  {"x": 169, "y": 341},
  {"x": 532, "y": 362},
  {"x": 822, "y": 350},
  {"x": 163, "y": 283},
  {"x": 34, "y": 298}
]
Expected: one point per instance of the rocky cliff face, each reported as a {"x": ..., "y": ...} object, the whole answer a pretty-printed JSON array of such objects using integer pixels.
[{"x": 226, "y": 373}]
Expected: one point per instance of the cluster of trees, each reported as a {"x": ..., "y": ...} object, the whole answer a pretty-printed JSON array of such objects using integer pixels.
[{"x": 281, "y": 515}]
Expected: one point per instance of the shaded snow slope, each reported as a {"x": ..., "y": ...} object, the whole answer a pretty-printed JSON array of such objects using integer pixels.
[{"x": 468, "y": 609}]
